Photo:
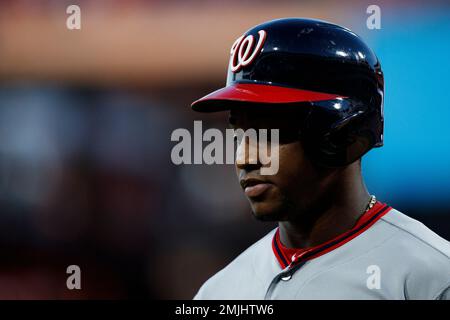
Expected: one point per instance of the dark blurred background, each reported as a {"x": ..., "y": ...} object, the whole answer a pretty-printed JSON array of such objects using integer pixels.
[{"x": 85, "y": 122}]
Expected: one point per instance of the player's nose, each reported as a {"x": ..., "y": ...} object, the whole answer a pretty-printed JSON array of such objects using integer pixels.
[{"x": 247, "y": 155}]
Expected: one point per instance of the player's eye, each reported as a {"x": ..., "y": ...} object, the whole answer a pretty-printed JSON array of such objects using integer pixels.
[{"x": 231, "y": 121}]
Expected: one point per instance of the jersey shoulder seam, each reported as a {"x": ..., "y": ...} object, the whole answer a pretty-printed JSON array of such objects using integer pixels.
[
  {"x": 415, "y": 236},
  {"x": 441, "y": 291}
]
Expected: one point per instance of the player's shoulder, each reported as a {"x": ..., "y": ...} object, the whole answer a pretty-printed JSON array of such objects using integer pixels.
[
  {"x": 424, "y": 257},
  {"x": 246, "y": 267},
  {"x": 416, "y": 234}
]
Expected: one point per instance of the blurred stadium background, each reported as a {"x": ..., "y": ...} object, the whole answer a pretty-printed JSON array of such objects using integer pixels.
[{"x": 85, "y": 124}]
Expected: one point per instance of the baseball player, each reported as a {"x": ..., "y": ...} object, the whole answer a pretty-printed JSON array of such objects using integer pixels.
[{"x": 322, "y": 87}]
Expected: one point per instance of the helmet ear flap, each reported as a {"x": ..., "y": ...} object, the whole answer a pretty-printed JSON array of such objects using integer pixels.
[
  {"x": 347, "y": 142},
  {"x": 334, "y": 140}
]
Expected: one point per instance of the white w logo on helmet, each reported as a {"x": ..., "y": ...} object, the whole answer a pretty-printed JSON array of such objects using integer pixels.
[{"x": 243, "y": 51}]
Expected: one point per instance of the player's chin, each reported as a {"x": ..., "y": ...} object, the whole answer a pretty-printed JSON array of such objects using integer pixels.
[{"x": 268, "y": 210}]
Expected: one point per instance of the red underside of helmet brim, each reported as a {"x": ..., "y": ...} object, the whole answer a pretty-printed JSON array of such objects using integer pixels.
[{"x": 223, "y": 99}]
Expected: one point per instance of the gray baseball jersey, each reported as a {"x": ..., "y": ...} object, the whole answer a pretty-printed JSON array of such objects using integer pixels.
[{"x": 387, "y": 255}]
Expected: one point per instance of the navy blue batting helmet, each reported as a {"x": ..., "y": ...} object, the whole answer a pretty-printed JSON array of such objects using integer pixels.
[{"x": 322, "y": 67}]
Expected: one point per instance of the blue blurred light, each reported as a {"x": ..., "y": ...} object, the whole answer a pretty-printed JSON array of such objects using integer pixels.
[{"x": 413, "y": 167}]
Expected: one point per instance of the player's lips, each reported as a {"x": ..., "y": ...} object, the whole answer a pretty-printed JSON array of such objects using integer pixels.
[{"x": 254, "y": 187}]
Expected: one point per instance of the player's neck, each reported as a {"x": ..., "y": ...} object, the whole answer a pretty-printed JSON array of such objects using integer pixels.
[{"x": 350, "y": 199}]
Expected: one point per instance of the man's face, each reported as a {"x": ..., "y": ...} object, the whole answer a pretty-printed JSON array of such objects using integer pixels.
[{"x": 298, "y": 184}]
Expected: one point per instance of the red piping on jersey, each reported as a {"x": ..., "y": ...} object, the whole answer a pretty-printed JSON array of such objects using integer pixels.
[{"x": 284, "y": 255}]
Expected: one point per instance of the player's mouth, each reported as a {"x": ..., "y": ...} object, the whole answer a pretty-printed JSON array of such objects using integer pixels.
[{"x": 254, "y": 187}]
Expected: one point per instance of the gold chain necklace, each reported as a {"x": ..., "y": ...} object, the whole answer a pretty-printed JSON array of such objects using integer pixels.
[{"x": 371, "y": 203}]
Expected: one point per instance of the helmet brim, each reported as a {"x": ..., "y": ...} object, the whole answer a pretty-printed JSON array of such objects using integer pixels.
[{"x": 225, "y": 98}]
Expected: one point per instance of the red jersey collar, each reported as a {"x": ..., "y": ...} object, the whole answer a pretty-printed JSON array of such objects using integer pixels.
[{"x": 290, "y": 256}]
